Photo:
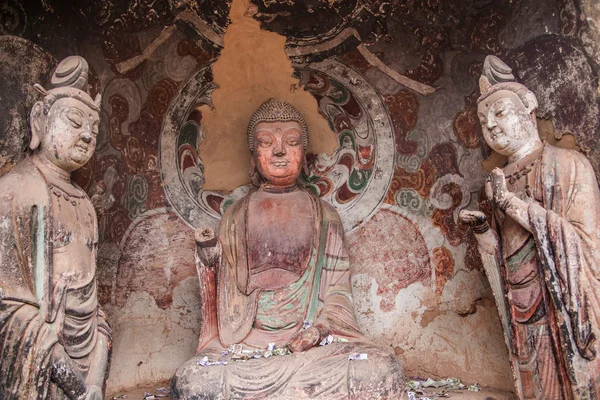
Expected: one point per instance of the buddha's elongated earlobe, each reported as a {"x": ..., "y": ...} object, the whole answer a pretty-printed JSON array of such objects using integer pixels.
[
  {"x": 252, "y": 169},
  {"x": 305, "y": 166},
  {"x": 255, "y": 177}
]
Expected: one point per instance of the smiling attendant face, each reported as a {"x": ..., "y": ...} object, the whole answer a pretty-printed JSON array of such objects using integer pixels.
[
  {"x": 278, "y": 152},
  {"x": 70, "y": 138},
  {"x": 506, "y": 123}
]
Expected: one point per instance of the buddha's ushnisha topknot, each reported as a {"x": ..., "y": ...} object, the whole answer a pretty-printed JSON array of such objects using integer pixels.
[{"x": 274, "y": 110}]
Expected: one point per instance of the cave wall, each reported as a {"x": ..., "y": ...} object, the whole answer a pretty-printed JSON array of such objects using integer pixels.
[{"x": 418, "y": 282}]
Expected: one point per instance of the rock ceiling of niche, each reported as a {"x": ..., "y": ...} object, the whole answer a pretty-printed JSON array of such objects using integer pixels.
[{"x": 326, "y": 25}]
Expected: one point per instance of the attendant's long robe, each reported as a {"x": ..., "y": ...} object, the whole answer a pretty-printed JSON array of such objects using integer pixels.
[
  {"x": 31, "y": 304},
  {"x": 564, "y": 215}
]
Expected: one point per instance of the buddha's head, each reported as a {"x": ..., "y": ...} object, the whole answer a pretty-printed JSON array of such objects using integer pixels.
[
  {"x": 506, "y": 109},
  {"x": 64, "y": 124},
  {"x": 277, "y": 138}
]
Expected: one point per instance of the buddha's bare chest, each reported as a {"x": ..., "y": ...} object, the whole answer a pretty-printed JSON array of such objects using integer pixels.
[{"x": 280, "y": 231}]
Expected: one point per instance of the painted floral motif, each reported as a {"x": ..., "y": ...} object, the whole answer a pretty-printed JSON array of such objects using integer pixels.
[
  {"x": 446, "y": 218},
  {"x": 404, "y": 110},
  {"x": 421, "y": 180},
  {"x": 135, "y": 198},
  {"x": 444, "y": 158}
]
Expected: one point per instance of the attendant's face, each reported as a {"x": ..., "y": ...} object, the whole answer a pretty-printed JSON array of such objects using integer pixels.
[
  {"x": 70, "y": 137},
  {"x": 506, "y": 124},
  {"x": 278, "y": 151}
]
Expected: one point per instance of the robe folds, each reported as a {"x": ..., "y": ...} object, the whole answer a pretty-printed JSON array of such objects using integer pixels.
[
  {"x": 566, "y": 228},
  {"x": 37, "y": 313},
  {"x": 553, "y": 279},
  {"x": 328, "y": 293},
  {"x": 254, "y": 317}
]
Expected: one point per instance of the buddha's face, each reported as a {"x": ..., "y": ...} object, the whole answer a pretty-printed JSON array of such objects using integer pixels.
[
  {"x": 506, "y": 123},
  {"x": 70, "y": 135},
  {"x": 278, "y": 151}
]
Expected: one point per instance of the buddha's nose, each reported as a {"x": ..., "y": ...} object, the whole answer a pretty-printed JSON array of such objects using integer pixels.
[
  {"x": 279, "y": 149},
  {"x": 86, "y": 136}
]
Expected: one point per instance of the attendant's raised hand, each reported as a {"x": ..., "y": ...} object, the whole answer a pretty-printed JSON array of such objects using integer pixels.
[{"x": 496, "y": 184}]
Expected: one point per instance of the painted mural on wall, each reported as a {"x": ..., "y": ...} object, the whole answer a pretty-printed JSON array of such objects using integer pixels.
[
  {"x": 419, "y": 296},
  {"x": 354, "y": 179}
]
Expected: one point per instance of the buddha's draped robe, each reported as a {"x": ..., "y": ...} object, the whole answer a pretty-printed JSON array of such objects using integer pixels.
[
  {"x": 557, "y": 265},
  {"x": 38, "y": 312},
  {"x": 254, "y": 317}
]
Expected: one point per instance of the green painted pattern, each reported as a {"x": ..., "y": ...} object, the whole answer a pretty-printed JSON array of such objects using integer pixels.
[
  {"x": 527, "y": 252},
  {"x": 273, "y": 314}
]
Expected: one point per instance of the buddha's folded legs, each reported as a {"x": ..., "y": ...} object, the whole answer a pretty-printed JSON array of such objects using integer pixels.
[{"x": 323, "y": 372}]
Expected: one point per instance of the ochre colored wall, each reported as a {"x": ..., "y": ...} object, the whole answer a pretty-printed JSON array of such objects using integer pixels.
[{"x": 252, "y": 68}]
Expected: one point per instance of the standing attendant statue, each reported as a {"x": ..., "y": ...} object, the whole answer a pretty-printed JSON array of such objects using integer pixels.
[
  {"x": 276, "y": 280},
  {"x": 542, "y": 253},
  {"x": 54, "y": 338}
]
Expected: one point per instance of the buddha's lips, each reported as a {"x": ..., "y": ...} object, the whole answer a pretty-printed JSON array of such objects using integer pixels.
[
  {"x": 280, "y": 163},
  {"x": 82, "y": 147}
]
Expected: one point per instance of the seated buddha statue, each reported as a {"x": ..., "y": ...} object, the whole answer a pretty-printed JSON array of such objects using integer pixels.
[{"x": 278, "y": 320}]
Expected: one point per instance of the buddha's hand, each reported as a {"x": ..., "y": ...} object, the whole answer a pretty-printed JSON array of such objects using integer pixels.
[
  {"x": 304, "y": 340},
  {"x": 208, "y": 250},
  {"x": 496, "y": 190},
  {"x": 474, "y": 219},
  {"x": 205, "y": 237}
]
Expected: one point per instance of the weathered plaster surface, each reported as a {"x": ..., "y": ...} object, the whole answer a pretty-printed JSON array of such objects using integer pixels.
[
  {"x": 150, "y": 341},
  {"x": 433, "y": 339},
  {"x": 436, "y": 321},
  {"x": 17, "y": 98},
  {"x": 567, "y": 93},
  {"x": 154, "y": 304}
]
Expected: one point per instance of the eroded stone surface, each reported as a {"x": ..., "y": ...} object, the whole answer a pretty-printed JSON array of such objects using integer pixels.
[{"x": 150, "y": 341}]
